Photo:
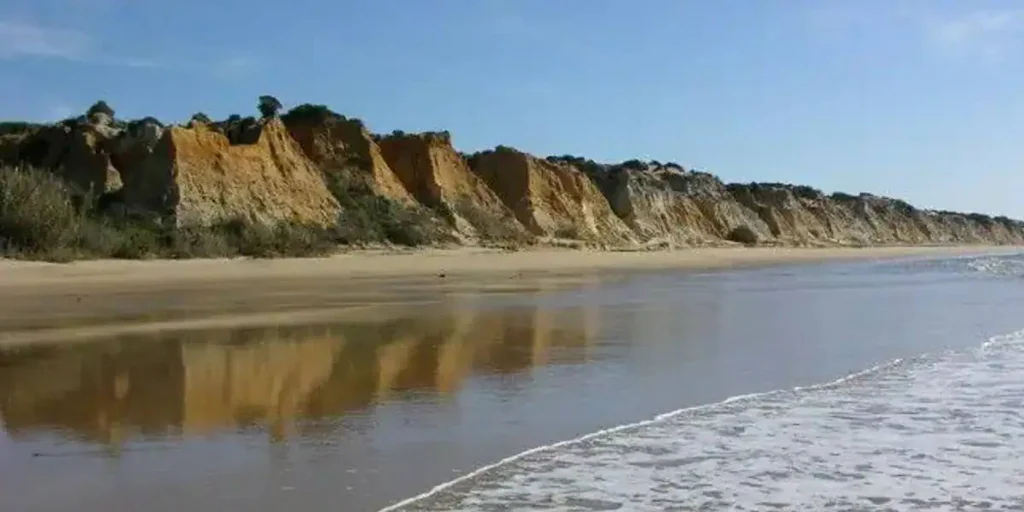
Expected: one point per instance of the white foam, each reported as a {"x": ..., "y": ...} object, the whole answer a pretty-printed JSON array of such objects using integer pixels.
[
  {"x": 1003, "y": 265},
  {"x": 1014, "y": 338},
  {"x": 855, "y": 438}
]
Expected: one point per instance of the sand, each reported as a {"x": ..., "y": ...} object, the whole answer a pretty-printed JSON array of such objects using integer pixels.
[{"x": 46, "y": 302}]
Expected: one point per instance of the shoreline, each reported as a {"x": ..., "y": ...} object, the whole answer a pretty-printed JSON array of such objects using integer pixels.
[
  {"x": 60, "y": 302},
  {"x": 459, "y": 262}
]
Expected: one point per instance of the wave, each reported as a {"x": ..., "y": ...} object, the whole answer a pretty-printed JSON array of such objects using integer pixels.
[
  {"x": 1001, "y": 266},
  {"x": 727, "y": 406}
]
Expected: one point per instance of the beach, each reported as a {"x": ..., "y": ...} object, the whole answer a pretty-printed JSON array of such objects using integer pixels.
[
  {"x": 689, "y": 380},
  {"x": 42, "y": 302}
]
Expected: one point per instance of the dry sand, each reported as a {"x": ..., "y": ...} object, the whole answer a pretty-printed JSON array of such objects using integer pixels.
[{"x": 44, "y": 302}]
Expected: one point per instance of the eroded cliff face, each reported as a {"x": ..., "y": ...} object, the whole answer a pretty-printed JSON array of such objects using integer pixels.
[
  {"x": 439, "y": 178},
  {"x": 552, "y": 199},
  {"x": 694, "y": 208},
  {"x": 197, "y": 177},
  {"x": 297, "y": 169},
  {"x": 345, "y": 152},
  {"x": 668, "y": 203},
  {"x": 798, "y": 215},
  {"x": 82, "y": 151}
]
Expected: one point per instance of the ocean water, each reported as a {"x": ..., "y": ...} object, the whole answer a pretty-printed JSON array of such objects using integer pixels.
[
  {"x": 875, "y": 385},
  {"x": 937, "y": 431}
]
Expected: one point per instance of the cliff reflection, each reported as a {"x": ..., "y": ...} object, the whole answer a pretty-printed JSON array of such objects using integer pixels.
[{"x": 204, "y": 382}]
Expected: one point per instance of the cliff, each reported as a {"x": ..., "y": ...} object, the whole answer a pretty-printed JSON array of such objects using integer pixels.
[
  {"x": 438, "y": 177},
  {"x": 196, "y": 176},
  {"x": 551, "y": 199},
  {"x": 315, "y": 167},
  {"x": 345, "y": 151},
  {"x": 799, "y": 215},
  {"x": 80, "y": 151},
  {"x": 668, "y": 203}
]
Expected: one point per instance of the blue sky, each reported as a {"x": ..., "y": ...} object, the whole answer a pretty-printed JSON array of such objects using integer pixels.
[{"x": 919, "y": 99}]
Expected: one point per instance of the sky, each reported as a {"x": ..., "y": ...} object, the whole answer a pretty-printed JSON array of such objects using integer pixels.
[{"x": 917, "y": 99}]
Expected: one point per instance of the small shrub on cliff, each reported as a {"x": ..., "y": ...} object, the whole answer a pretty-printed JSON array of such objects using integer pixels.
[
  {"x": 100, "y": 107},
  {"x": 743, "y": 234},
  {"x": 269, "y": 106},
  {"x": 310, "y": 113},
  {"x": 634, "y": 164}
]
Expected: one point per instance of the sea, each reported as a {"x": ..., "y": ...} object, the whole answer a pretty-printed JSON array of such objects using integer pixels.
[{"x": 874, "y": 385}]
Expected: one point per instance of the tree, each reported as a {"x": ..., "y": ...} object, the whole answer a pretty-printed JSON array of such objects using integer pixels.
[
  {"x": 200, "y": 117},
  {"x": 100, "y": 107},
  {"x": 311, "y": 113},
  {"x": 269, "y": 106}
]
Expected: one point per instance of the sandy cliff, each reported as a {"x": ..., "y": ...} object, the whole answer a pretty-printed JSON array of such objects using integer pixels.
[
  {"x": 196, "y": 176},
  {"x": 316, "y": 167},
  {"x": 439, "y": 178},
  {"x": 800, "y": 215},
  {"x": 79, "y": 152},
  {"x": 674, "y": 205},
  {"x": 344, "y": 150},
  {"x": 552, "y": 199}
]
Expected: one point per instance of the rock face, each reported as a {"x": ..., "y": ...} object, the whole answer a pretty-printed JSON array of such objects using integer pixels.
[
  {"x": 674, "y": 205},
  {"x": 695, "y": 208},
  {"x": 80, "y": 151},
  {"x": 345, "y": 151},
  {"x": 551, "y": 199},
  {"x": 195, "y": 176},
  {"x": 439, "y": 178},
  {"x": 800, "y": 215},
  {"x": 298, "y": 168}
]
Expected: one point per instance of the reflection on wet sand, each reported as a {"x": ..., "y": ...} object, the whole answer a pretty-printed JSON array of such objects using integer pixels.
[{"x": 205, "y": 382}]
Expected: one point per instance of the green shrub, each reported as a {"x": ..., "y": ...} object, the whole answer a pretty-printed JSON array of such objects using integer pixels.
[
  {"x": 37, "y": 213},
  {"x": 367, "y": 217}
]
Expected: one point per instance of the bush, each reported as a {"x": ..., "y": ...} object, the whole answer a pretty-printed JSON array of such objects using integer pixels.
[
  {"x": 37, "y": 213},
  {"x": 491, "y": 228},
  {"x": 311, "y": 113},
  {"x": 367, "y": 217},
  {"x": 269, "y": 106},
  {"x": 743, "y": 234},
  {"x": 100, "y": 107},
  {"x": 634, "y": 164}
]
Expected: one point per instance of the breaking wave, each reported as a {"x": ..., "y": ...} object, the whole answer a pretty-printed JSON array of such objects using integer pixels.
[{"x": 936, "y": 432}]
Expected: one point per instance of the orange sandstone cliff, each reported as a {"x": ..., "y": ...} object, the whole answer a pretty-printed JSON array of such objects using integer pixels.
[
  {"x": 439, "y": 178},
  {"x": 551, "y": 199},
  {"x": 312, "y": 166},
  {"x": 196, "y": 176},
  {"x": 345, "y": 151}
]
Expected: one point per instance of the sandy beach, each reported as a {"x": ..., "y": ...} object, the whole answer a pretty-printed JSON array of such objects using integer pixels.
[{"x": 47, "y": 302}]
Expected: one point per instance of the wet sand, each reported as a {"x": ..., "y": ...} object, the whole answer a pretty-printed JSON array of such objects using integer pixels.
[
  {"x": 416, "y": 380},
  {"x": 46, "y": 302}
]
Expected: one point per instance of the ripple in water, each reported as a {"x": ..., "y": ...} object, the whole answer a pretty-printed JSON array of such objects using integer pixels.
[{"x": 937, "y": 433}]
